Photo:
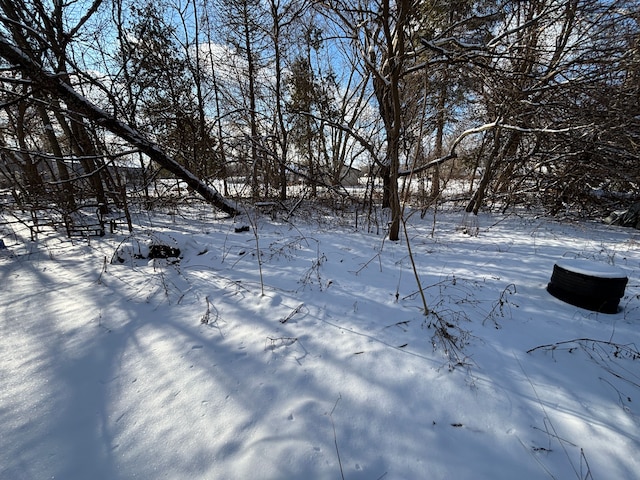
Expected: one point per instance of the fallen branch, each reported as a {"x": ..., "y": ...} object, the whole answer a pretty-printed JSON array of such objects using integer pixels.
[
  {"x": 335, "y": 436},
  {"x": 619, "y": 351},
  {"x": 293, "y": 312},
  {"x": 79, "y": 104}
]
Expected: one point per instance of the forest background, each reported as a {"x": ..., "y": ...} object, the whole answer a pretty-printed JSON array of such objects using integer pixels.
[{"x": 525, "y": 103}]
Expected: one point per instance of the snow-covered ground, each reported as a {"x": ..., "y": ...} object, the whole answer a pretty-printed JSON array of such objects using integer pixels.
[{"x": 314, "y": 360}]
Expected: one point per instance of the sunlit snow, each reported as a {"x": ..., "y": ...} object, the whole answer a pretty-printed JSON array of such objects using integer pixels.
[{"x": 114, "y": 366}]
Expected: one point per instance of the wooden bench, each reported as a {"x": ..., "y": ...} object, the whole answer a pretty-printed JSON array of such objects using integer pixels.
[{"x": 84, "y": 225}]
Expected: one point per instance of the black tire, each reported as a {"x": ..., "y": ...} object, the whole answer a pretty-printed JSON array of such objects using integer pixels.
[
  {"x": 600, "y": 294},
  {"x": 588, "y": 285},
  {"x": 595, "y": 304}
]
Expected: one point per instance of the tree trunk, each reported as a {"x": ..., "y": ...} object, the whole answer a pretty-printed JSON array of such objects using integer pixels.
[
  {"x": 66, "y": 187},
  {"x": 282, "y": 137},
  {"x": 253, "y": 119},
  {"x": 440, "y": 123},
  {"x": 392, "y": 98}
]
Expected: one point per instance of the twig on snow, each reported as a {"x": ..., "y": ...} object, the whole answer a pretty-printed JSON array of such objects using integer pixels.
[{"x": 335, "y": 436}]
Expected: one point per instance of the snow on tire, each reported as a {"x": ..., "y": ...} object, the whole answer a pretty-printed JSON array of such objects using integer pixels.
[{"x": 590, "y": 285}]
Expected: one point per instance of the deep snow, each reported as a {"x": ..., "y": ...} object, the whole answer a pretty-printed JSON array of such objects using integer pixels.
[{"x": 119, "y": 367}]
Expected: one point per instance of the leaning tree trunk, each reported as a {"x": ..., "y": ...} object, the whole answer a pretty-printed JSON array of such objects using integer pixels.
[{"x": 79, "y": 104}]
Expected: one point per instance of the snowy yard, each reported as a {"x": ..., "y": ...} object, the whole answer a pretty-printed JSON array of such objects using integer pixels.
[{"x": 114, "y": 366}]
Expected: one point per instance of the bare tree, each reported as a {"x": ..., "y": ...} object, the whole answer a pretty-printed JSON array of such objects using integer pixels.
[
  {"x": 42, "y": 57},
  {"x": 550, "y": 64},
  {"x": 240, "y": 21},
  {"x": 284, "y": 18},
  {"x": 379, "y": 32}
]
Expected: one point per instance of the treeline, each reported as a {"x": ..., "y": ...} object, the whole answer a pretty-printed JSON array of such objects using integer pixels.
[{"x": 537, "y": 101}]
